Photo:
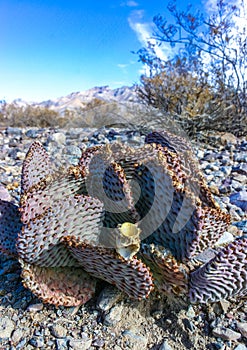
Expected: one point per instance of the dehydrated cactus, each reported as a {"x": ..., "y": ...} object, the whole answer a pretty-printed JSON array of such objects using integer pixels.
[{"x": 134, "y": 217}]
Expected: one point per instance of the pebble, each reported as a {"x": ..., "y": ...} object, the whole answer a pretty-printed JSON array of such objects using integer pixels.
[
  {"x": 98, "y": 342},
  {"x": 58, "y": 331},
  {"x": 114, "y": 316},
  {"x": 224, "y": 305},
  {"x": 6, "y": 327},
  {"x": 206, "y": 255},
  {"x": 240, "y": 347},
  {"x": 83, "y": 344},
  {"x": 165, "y": 346},
  {"x": 242, "y": 327},
  {"x": 59, "y": 137},
  {"x": 37, "y": 342},
  {"x": 16, "y": 336},
  {"x": 239, "y": 199},
  {"x": 35, "y": 307},
  {"x": 135, "y": 341},
  {"x": 61, "y": 344},
  {"x": 33, "y": 133},
  {"x": 226, "y": 333},
  {"x": 108, "y": 297},
  {"x": 4, "y": 194},
  {"x": 227, "y": 237},
  {"x": 190, "y": 312}
]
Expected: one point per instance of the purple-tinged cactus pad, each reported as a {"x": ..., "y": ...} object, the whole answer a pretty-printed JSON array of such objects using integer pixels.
[
  {"x": 41, "y": 197},
  {"x": 131, "y": 276},
  {"x": 68, "y": 286},
  {"x": 39, "y": 241},
  {"x": 194, "y": 179},
  {"x": 188, "y": 228},
  {"x": 222, "y": 277},
  {"x": 170, "y": 277},
  {"x": 10, "y": 226},
  {"x": 36, "y": 167}
]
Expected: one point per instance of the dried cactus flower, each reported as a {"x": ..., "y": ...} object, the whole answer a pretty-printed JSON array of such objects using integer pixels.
[
  {"x": 128, "y": 240},
  {"x": 119, "y": 213}
]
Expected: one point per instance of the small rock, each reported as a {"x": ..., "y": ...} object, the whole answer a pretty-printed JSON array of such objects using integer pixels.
[
  {"x": 240, "y": 169},
  {"x": 241, "y": 225},
  {"x": 240, "y": 178},
  {"x": 240, "y": 157},
  {"x": 98, "y": 342},
  {"x": 242, "y": 327},
  {"x": 227, "y": 237},
  {"x": 4, "y": 194},
  {"x": 59, "y": 137},
  {"x": 16, "y": 336},
  {"x": 236, "y": 186},
  {"x": 82, "y": 344},
  {"x": 165, "y": 346},
  {"x": 73, "y": 150},
  {"x": 114, "y": 316},
  {"x": 233, "y": 230},
  {"x": 35, "y": 307},
  {"x": 226, "y": 333},
  {"x": 228, "y": 139},
  {"x": 13, "y": 131},
  {"x": 62, "y": 344},
  {"x": 136, "y": 342},
  {"x": 190, "y": 312},
  {"x": 225, "y": 305},
  {"x": 239, "y": 199},
  {"x": 37, "y": 342},
  {"x": 214, "y": 189},
  {"x": 109, "y": 296},
  {"x": 240, "y": 347},
  {"x": 58, "y": 331},
  {"x": 33, "y": 133},
  {"x": 6, "y": 327}
]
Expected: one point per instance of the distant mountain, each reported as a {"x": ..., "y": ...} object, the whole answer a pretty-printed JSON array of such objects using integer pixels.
[{"x": 81, "y": 98}]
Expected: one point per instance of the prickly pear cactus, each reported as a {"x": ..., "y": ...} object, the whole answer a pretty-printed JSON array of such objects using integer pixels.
[{"x": 135, "y": 217}]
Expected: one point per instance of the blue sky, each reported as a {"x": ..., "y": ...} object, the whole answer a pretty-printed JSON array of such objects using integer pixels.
[{"x": 52, "y": 48}]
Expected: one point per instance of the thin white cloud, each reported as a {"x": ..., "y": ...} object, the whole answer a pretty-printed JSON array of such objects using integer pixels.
[
  {"x": 130, "y": 3},
  {"x": 144, "y": 32},
  {"x": 123, "y": 67}
]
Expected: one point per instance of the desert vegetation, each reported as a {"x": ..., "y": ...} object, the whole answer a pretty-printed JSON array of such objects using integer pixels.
[
  {"x": 203, "y": 84},
  {"x": 28, "y": 116}
]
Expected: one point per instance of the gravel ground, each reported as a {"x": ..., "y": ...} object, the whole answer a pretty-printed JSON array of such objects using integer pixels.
[{"x": 110, "y": 320}]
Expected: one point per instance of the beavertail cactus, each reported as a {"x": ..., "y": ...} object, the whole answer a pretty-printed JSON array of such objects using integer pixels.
[{"x": 135, "y": 217}]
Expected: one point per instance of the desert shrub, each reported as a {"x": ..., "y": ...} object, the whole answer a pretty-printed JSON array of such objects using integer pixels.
[
  {"x": 203, "y": 84},
  {"x": 28, "y": 116}
]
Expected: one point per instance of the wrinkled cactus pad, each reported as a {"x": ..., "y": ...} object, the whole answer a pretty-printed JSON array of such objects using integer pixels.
[{"x": 135, "y": 217}]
